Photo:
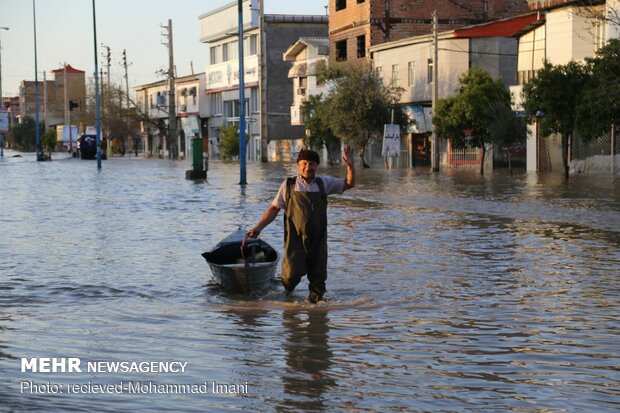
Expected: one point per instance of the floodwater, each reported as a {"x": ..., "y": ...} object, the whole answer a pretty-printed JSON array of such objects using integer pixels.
[{"x": 447, "y": 292}]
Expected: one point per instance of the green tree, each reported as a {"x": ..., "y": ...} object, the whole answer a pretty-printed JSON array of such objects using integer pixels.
[
  {"x": 479, "y": 112},
  {"x": 313, "y": 112},
  {"x": 49, "y": 140},
  {"x": 599, "y": 105},
  {"x": 229, "y": 141},
  {"x": 22, "y": 135},
  {"x": 359, "y": 104},
  {"x": 554, "y": 94}
]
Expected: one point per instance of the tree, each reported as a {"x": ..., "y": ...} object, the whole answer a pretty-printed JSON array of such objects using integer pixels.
[
  {"x": 599, "y": 104},
  {"x": 598, "y": 12},
  {"x": 22, "y": 135},
  {"x": 313, "y": 112},
  {"x": 477, "y": 113},
  {"x": 49, "y": 139},
  {"x": 554, "y": 93},
  {"x": 359, "y": 104},
  {"x": 229, "y": 141}
]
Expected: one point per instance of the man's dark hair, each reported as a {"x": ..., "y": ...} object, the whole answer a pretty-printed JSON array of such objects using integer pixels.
[{"x": 308, "y": 155}]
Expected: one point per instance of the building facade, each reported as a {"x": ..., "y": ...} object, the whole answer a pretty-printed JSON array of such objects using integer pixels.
[
  {"x": 268, "y": 91},
  {"x": 408, "y": 63},
  {"x": 567, "y": 30},
  {"x": 191, "y": 112},
  {"x": 67, "y": 84},
  {"x": 356, "y": 25}
]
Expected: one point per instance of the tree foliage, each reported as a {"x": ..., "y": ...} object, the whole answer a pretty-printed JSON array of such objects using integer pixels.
[
  {"x": 22, "y": 135},
  {"x": 359, "y": 103},
  {"x": 229, "y": 141},
  {"x": 599, "y": 103},
  {"x": 480, "y": 112},
  {"x": 320, "y": 134},
  {"x": 551, "y": 99}
]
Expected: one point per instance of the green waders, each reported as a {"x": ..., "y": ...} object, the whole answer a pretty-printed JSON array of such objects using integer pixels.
[{"x": 305, "y": 238}]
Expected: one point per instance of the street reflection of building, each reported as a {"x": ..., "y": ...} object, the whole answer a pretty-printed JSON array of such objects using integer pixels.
[
  {"x": 268, "y": 91},
  {"x": 190, "y": 102}
]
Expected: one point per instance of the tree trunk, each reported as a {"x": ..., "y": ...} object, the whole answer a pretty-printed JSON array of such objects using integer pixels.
[
  {"x": 364, "y": 164},
  {"x": 565, "y": 140},
  {"x": 482, "y": 151},
  {"x": 509, "y": 163}
]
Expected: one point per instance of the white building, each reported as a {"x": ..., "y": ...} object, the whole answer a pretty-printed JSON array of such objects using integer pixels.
[
  {"x": 565, "y": 32},
  {"x": 268, "y": 91},
  {"x": 191, "y": 109},
  {"x": 408, "y": 63}
]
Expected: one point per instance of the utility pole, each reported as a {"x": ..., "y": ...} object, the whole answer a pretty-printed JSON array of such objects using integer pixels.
[
  {"x": 66, "y": 106},
  {"x": 1, "y": 28},
  {"x": 172, "y": 115},
  {"x": 242, "y": 157},
  {"x": 262, "y": 70},
  {"x": 435, "y": 142},
  {"x": 127, "y": 90},
  {"x": 46, "y": 123},
  {"x": 107, "y": 56}
]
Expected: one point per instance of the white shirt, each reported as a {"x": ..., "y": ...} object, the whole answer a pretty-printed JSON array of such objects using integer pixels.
[{"x": 332, "y": 186}]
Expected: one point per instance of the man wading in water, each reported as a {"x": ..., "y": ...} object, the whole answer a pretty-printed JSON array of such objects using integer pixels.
[{"x": 304, "y": 200}]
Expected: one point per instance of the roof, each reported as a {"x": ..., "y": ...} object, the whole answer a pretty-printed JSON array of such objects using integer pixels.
[
  {"x": 70, "y": 69},
  {"x": 320, "y": 43},
  {"x": 508, "y": 27}
]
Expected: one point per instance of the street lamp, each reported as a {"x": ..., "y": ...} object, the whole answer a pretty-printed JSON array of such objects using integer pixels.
[
  {"x": 1, "y": 28},
  {"x": 242, "y": 172},
  {"x": 37, "y": 131}
]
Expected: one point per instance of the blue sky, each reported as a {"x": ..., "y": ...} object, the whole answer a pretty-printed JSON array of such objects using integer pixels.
[{"x": 65, "y": 33}]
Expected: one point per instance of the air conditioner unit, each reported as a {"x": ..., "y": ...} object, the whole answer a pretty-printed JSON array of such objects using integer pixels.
[
  {"x": 192, "y": 91},
  {"x": 184, "y": 92},
  {"x": 183, "y": 108}
]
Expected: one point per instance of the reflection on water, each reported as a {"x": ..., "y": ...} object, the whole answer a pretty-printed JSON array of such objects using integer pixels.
[
  {"x": 308, "y": 359},
  {"x": 446, "y": 292}
]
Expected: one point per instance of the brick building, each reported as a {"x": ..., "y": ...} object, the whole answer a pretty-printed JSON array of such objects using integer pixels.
[{"x": 355, "y": 25}]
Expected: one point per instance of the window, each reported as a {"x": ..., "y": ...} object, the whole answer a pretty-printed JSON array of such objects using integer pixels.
[
  {"x": 411, "y": 74},
  {"x": 254, "y": 100},
  {"x": 341, "y": 50},
  {"x": 253, "y": 40},
  {"x": 360, "y": 1},
  {"x": 394, "y": 81},
  {"x": 303, "y": 85},
  {"x": 341, "y": 4},
  {"x": 229, "y": 51},
  {"x": 361, "y": 46},
  {"x": 429, "y": 74},
  {"x": 215, "y": 99},
  {"x": 231, "y": 108},
  {"x": 215, "y": 54}
]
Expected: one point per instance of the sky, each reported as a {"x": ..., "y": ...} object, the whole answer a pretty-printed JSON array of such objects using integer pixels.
[{"x": 64, "y": 31}]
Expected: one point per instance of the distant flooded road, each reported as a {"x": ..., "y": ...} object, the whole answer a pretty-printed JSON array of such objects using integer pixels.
[{"x": 446, "y": 292}]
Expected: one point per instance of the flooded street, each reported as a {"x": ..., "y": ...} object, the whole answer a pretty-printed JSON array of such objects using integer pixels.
[{"x": 446, "y": 292}]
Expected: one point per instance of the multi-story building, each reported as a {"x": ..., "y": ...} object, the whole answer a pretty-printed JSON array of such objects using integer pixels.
[
  {"x": 305, "y": 54},
  {"x": 356, "y": 25},
  {"x": 408, "y": 63},
  {"x": 67, "y": 84},
  {"x": 191, "y": 110},
  {"x": 570, "y": 30},
  {"x": 268, "y": 91}
]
